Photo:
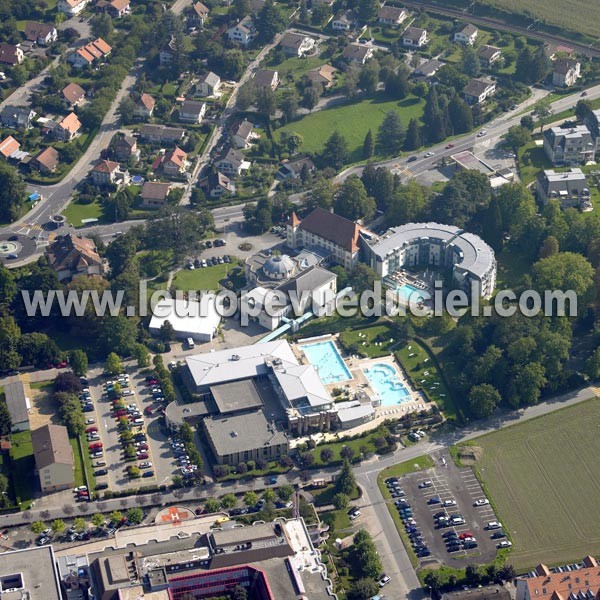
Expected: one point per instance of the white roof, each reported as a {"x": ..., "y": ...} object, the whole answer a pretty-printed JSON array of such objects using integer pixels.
[
  {"x": 191, "y": 318},
  {"x": 355, "y": 412}
]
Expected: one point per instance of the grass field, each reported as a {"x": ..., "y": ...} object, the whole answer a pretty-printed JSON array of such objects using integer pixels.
[
  {"x": 352, "y": 121},
  {"x": 543, "y": 479},
  {"x": 207, "y": 278},
  {"x": 23, "y": 466}
]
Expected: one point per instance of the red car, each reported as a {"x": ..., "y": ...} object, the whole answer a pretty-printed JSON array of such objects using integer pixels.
[
  {"x": 449, "y": 146},
  {"x": 122, "y": 412},
  {"x": 95, "y": 446},
  {"x": 142, "y": 447},
  {"x": 148, "y": 410},
  {"x": 142, "y": 455},
  {"x": 91, "y": 429},
  {"x": 152, "y": 382},
  {"x": 465, "y": 534}
]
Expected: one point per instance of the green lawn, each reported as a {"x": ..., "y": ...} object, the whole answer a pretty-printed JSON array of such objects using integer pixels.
[
  {"x": 202, "y": 279},
  {"x": 76, "y": 212},
  {"x": 542, "y": 478},
  {"x": 418, "y": 464},
  {"x": 366, "y": 345},
  {"x": 416, "y": 360},
  {"x": 23, "y": 466},
  {"x": 353, "y": 121},
  {"x": 82, "y": 464},
  {"x": 532, "y": 159},
  {"x": 293, "y": 69}
]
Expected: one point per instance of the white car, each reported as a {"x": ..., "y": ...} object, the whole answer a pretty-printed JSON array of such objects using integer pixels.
[
  {"x": 482, "y": 133},
  {"x": 128, "y": 393},
  {"x": 493, "y": 525},
  {"x": 145, "y": 465},
  {"x": 80, "y": 488},
  {"x": 449, "y": 502},
  {"x": 504, "y": 544},
  {"x": 90, "y": 421},
  {"x": 428, "y": 154},
  {"x": 481, "y": 502},
  {"x": 354, "y": 515},
  {"x": 123, "y": 376},
  {"x": 385, "y": 579}
]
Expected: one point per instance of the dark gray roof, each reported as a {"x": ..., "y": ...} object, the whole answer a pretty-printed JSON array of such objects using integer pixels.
[
  {"x": 16, "y": 402},
  {"x": 476, "y": 87},
  {"x": 264, "y": 77},
  {"x": 307, "y": 280},
  {"x": 210, "y": 78},
  {"x": 235, "y": 396}
]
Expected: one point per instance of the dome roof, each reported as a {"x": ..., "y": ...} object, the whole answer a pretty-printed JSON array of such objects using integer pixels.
[{"x": 279, "y": 267}]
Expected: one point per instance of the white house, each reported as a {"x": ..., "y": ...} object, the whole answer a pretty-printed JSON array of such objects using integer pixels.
[
  {"x": 414, "y": 37},
  {"x": 294, "y": 44},
  {"x": 208, "y": 85},
  {"x": 566, "y": 72},
  {"x": 71, "y": 7},
  {"x": 467, "y": 35},
  {"x": 343, "y": 21},
  {"x": 478, "y": 90},
  {"x": 192, "y": 111},
  {"x": 243, "y": 32}
]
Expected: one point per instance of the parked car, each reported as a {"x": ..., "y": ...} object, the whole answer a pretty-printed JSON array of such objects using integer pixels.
[
  {"x": 101, "y": 472},
  {"x": 384, "y": 580},
  {"x": 504, "y": 544},
  {"x": 425, "y": 484},
  {"x": 481, "y": 502},
  {"x": 148, "y": 474}
]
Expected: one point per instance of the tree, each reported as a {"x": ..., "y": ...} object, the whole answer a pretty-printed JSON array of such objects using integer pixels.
[
  {"x": 8, "y": 287},
  {"x": 102, "y": 26},
  {"x": 368, "y": 78},
  {"x": 364, "y": 555},
  {"x": 335, "y": 152},
  {"x": 97, "y": 520},
  {"x": 517, "y": 137},
  {"x": 542, "y": 109},
  {"x": 285, "y": 492},
  {"x": 250, "y": 498},
  {"x": 390, "y": 135},
  {"x": 58, "y": 526},
  {"x": 79, "y": 524},
  {"x": 113, "y": 364},
  {"x": 310, "y": 97},
  {"x": 363, "y": 589},
  {"x": 483, "y": 400},
  {"x": 269, "y": 22},
  {"x": 367, "y": 10},
  {"x": 37, "y": 527},
  {"x": 433, "y": 581},
  {"x": 239, "y": 593},
  {"x": 326, "y": 455},
  {"x": 592, "y": 366},
  {"x": 507, "y": 572},
  {"x": 582, "y": 109},
  {"x": 368, "y": 145},
  {"x": 549, "y": 247},
  {"x": 266, "y": 101},
  {"x": 289, "y": 103},
  {"x": 527, "y": 122},
  {"x": 341, "y": 501},
  {"x": 211, "y": 505},
  {"x": 5, "y": 419},
  {"x": 352, "y": 201},
  {"x": 135, "y": 515},
  {"x": 67, "y": 382},
  {"x": 269, "y": 495},
  {"x": 167, "y": 331},
  {"x": 79, "y": 362},
  {"x": 469, "y": 62},
  {"x": 292, "y": 141},
  {"x": 141, "y": 355},
  {"x": 228, "y": 501},
  {"x": 12, "y": 192},
  {"x": 413, "y": 139},
  {"x": 116, "y": 516},
  {"x": 346, "y": 482}
]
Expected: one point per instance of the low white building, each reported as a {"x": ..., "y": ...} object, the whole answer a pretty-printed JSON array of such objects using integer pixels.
[{"x": 198, "y": 320}]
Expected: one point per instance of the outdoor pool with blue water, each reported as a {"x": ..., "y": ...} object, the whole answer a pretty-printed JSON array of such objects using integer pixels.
[
  {"x": 324, "y": 356},
  {"x": 385, "y": 382},
  {"x": 405, "y": 294}
]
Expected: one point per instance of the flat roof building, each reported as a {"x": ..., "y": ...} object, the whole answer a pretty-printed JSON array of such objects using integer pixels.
[
  {"x": 570, "y": 188},
  {"x": 29, "y": 574},
  {"x": 18, "y": 405}
]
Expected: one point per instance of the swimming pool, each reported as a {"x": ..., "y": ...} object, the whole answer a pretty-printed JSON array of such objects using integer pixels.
[
  {"x": 385, "y": 382},
  {"x": 324, "y": 356},
  {"x": 406, "y": 293}
]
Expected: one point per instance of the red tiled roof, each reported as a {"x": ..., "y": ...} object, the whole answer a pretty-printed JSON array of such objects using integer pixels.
[
  {"x": 71, "y": 123},
  {"x": 102, "y": 46},
  {"x": 560, "y": 586},
  {"x": 147, "y": 101},
  {"x": 8, "y": 146},
  {"x": 73, "y": 93},
  {"x": 106, "y": 166},
  {"x": 332, "y": 227},
  {"x": 48, "y": 158},
  {"x": 177, "y": 156},
  {"x": 85, "y": 55}
]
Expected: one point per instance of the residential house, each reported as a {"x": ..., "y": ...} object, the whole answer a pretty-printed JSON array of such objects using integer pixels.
[
  {"x": 329, "y": 3},
  {"x": 357, "y": 53},
  {"x": 68, "y": 127},
  {"x": 45, "y": 161},
  {"x": 569, "y": 188},
  {"x": 8, "y": 146},
  {"x": 555, "y": 584},
  {"x": 322, "y": 229},
  {"x": 71, "y": 8},
  {"x": 325, "y": 75},
  {"x": 70, "y": 255},
  {"x": 173, "y": 163},
  {"x": 478, "y": 90},
  {"x": 486, "y": 592},
  {"x": 242, "y": 32},
  {"x": 428, "y": 68},
  {"x": 565, "y": 72},
  {"x": 292, "y": 169},
  {"x": 391, "y": 16},
  {"x": 86, "y": 55},
  {"x": 115, "y": 8},
  {"x": 42, "y": 34},
  {"x": 196, "y": 15},
  {"x": 126, "y": 148},
  {"x": 144, "y": 107},
  {"x": 414, "y": 37},
  {"x": 232, "y": 162},
  {"x": 294, "y": 44},
  {"x": 54, "y": 462},
  {"x": 73, "y": 94},
  {"x": 344, "y": 20},
  {"x": 154, "y": 194},
  {"x": 216, "y": 185},
  {"x": 11, "y": 54},
  {"x": 208, "y": 85},
  {"x": 105, "y": 173},
  {"x": 567, "y": 146},
  {"x": 17, "y": 117},
  {"x": 266, "y": 78},
  {"x": 167, "y": 52},
  {"x": 553, "y": 51},
  {"x": 18, "y": 405},
  {"x": 161, "y": 134},
  {"x": 592, "y": 121},
  {"x": 488, "y": 55},
  {"x": 241, "y": 134},
  {"x": 467, "y": 35},
  {"x": 192, "y": 111}
]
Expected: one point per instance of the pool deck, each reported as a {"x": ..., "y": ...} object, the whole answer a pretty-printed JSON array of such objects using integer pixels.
[{"x": 359, "y": 383}]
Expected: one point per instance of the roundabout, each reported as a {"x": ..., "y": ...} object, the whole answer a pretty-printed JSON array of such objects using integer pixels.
[{"x": 14, "y": 246}]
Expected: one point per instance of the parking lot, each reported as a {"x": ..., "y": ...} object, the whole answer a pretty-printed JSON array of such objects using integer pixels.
[
  {"x": 137, "y": 397},
  {"x": 449, "y": 513}
]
